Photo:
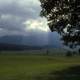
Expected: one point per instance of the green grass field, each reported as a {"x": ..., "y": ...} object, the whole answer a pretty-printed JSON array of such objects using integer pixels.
[{"x": 35, "y": 67}]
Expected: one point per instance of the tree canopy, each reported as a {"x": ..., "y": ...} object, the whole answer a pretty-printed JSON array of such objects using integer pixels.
[{"x": 63, "y": 16}]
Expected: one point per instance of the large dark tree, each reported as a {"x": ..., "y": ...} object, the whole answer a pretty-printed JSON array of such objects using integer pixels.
[{"x": 63, "y": 16}]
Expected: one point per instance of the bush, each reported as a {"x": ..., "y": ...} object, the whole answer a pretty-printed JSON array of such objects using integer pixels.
[{"x": 69, "y": 54}]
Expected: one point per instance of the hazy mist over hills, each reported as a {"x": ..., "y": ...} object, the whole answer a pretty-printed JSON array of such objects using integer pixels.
[{"x": 32, "y": 40}]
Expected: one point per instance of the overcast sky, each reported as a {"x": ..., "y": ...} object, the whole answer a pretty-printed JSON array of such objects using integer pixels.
[{"x": 21, "y": 17}]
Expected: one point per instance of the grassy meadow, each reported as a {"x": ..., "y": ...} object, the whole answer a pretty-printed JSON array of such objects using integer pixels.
[{"x": 38, "y": 67}]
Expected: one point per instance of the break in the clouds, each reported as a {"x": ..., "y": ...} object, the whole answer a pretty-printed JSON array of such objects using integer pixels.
[{"x": 21, "y": 17}]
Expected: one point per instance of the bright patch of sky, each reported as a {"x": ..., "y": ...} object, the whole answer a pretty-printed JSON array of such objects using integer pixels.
[{"x": 39, "y": 25}]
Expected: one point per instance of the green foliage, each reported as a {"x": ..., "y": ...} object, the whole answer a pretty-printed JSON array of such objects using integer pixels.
[
  {"x": 79, "y": 51},
  {"x": 61, "y": 12},
  {"x": 69, "y": 54},
  {"x": 63, "y": 16}
]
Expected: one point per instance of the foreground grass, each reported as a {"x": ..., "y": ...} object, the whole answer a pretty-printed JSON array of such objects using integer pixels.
[{"x": 23, "y": 67}]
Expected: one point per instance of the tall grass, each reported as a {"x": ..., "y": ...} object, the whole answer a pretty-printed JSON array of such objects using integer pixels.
[{"x": 28, "y": 67}]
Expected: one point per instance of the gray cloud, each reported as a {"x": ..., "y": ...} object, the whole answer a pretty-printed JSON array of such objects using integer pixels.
[
  {"x": 15, "y": 7},
  {"x": 14, "y": 12}
]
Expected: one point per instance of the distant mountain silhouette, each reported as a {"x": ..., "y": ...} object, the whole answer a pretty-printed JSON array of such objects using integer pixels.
[
  {"x": 11, "y": 39},
  {"x": 23, "y": 40},
  {"x": 23, "y": 43},
  {"x": 17, "y": 47}
]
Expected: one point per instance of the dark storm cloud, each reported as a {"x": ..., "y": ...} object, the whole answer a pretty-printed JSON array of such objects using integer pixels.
[
  {"x": 14, "y": 13},
  {"x": 10, "y": 23}
]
